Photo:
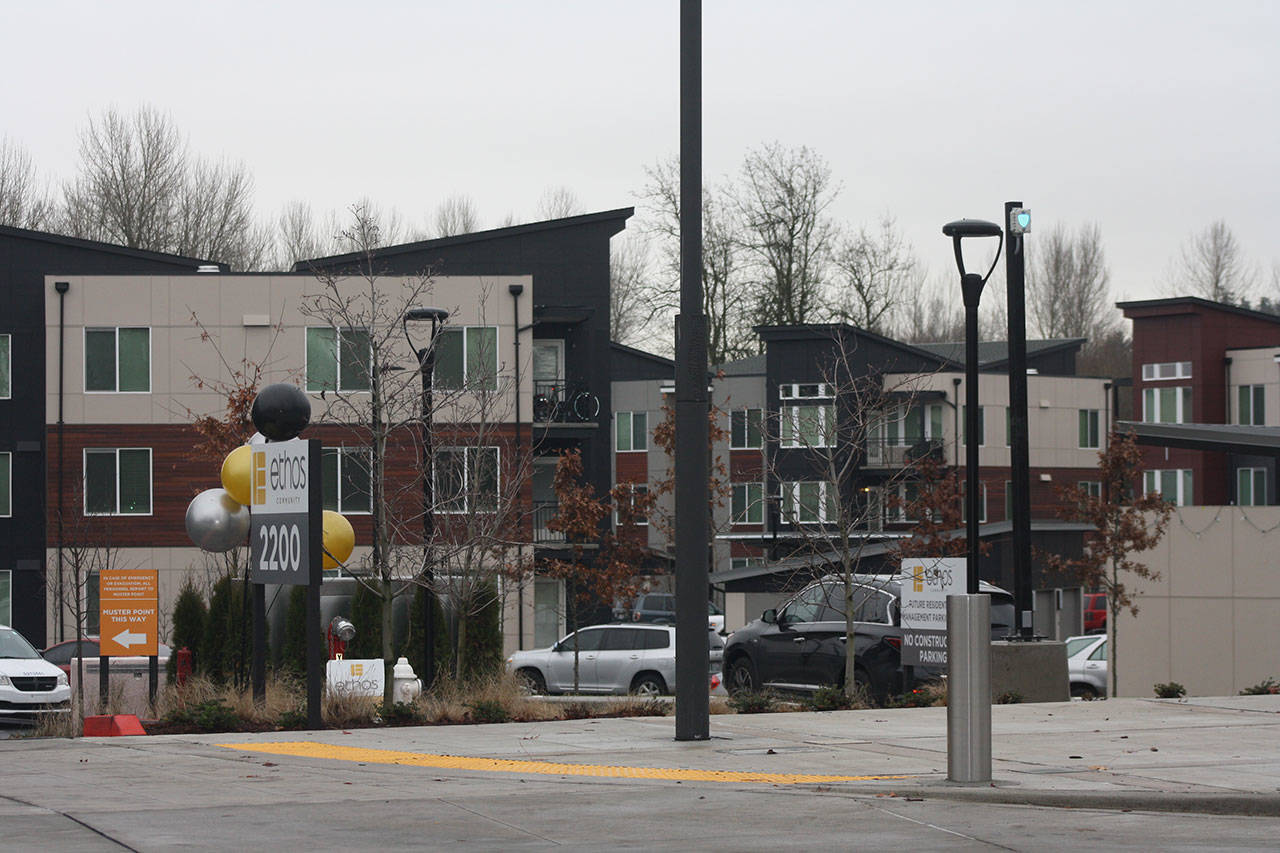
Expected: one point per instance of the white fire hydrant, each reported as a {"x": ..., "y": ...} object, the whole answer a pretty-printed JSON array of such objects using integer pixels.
[{"x": 405, "y": 685}]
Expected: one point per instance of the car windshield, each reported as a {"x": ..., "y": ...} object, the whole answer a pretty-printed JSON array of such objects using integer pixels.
[{"x": 13, "y": 645}]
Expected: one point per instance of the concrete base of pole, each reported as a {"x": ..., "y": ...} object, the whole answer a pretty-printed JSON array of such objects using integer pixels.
[
  {"x": 1036, "y": 672},
  {"x": 969, "y": 688}
]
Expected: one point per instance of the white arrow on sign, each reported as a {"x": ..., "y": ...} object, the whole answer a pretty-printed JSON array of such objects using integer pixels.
[{"x": 127, "y": 639}]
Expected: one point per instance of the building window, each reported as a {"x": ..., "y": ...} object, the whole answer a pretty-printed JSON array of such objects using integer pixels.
[
  {"x": 1167, "y": 405},
  {"x": 745, "y": 562},
  {"x": 6, "y": 488},
  {"x": 903, "y": 502},
  {"x": 6, "y": 597},
  {"x": 467, "y": 357},
  {"x": 1251, "y": 487},
  {"x": 628, "y": 494},
  {"x": 808, "y": 426},
  {"x": 338, "y": 359},
  {"x": 1008, "y": 500},
  {"x": 1252, "y": 409},
  {"x": 1092, "y": 488},
  {"x": 117, "y": 359},
  {"x": 746, "y": 428},
  {"x": 632, "y": 431},
  {"x": 346, "y": 479},
  {"x": 1089, "y": 436},
  {"x": 1008, "y": 426},
  {"x": 964, "y": 426},
  {"x": 908, "y": 426},
  {"x": 807, "y": 502},
  {"x": 982, "y": 502},
  {"x": 1166, "y": 370},
  {"x": 1174, "y": 485},
  {"x": 6, "y": 369},
  {"x": 748, "y": 503},
  {"x": 466, "y": 479},
  {"x": 117, "y": 481},
  {"x": 802, "y": 391}
]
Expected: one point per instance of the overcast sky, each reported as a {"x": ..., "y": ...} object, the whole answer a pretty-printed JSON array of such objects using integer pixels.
[{"x": 1150, "y": 118}]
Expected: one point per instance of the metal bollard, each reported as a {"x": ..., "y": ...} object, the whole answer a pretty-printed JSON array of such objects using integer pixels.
[{"x": 969, "y": 688}]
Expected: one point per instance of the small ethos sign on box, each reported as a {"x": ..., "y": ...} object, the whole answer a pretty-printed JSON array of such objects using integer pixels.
[
  {"x": 926, "y": 584},
  {"x": 355, "y": 677}
]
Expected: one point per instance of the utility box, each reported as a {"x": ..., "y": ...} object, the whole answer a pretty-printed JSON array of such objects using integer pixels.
[{"x": 1035, "y": 671}]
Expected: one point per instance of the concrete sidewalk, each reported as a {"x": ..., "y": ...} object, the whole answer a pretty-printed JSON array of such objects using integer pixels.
[
  {"x": 1158, "y": 773},
  {"x": 1208, "y": 755}
]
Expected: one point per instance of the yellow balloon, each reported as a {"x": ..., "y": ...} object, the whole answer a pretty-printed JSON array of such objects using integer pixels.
[
  {"x": 339, "y": 539},
  {"x": 236, "y": 477}
]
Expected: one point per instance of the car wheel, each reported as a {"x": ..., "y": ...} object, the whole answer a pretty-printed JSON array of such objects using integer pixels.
[
  {"x": 648, "y": 684},
  {"x": 532, "y": 681},
  {"x": 741, "y": 676},
  {"x": 1084, "y": 691}
]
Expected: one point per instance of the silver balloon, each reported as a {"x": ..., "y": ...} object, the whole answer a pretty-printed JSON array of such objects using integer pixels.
[{"x": 216, "y": 522}]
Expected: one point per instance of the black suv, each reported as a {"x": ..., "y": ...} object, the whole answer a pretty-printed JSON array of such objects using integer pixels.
[{"x": 801, "y": 646}]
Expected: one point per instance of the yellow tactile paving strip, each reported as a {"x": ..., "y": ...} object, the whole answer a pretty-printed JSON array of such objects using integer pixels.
[{"x": 306, "y": 749}]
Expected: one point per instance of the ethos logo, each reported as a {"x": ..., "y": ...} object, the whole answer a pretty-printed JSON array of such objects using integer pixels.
[{"x": 259, "y": 478}]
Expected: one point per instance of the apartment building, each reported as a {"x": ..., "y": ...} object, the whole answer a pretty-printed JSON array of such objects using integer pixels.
[
  {"x": 26, "y": 258},
  {"x": 1202, "y": 362},
  {"x": 834, "y": 407}
]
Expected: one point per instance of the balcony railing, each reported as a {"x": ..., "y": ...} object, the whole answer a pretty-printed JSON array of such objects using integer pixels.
[
  {"x": 890, "y": 453},
  {"x": 543, "y": 512},
  {"x": 555, "y": 402}
]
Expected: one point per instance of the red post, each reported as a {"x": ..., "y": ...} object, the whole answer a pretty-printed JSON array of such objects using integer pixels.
[{"x": 184, "y": 665}]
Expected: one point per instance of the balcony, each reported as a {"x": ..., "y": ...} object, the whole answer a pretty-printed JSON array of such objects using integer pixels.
[
  {"x": 557, "y": 403},
  {"x": 891, "y": 453},
  {"x": 543, "y": 512}
]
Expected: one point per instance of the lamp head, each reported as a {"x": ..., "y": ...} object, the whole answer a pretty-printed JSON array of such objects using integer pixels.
[
  {"x": 435, "y": 315},
  {"x": 962, "y": 228}
]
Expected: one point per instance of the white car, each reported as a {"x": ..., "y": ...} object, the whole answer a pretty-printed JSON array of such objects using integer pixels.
[
  {"x": 29, "y": 684},
  {"x": 635, "y": 658},
  {"x": 1087, "y": 665}
]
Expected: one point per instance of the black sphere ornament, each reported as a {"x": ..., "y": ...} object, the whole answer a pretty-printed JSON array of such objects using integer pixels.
[{"x": 281, "y": 411}]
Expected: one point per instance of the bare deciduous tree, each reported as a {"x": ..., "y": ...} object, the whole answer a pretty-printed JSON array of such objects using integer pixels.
[
  {"x": 724, "y": 291},
  {"x": 299, "y": 237},
  {"x": 629, "y": 311},
  {"x": 24, "y": 201},
  {"x": 558, "y": 203},
  {"x": 876, "y": 273},
  {"x": 782, "y": 202},
  {"x": 931, "y": 315},
  {"x": 1211, "y": 264},
  {"x": 140, "y": 186},
  {"x": 1069, "y": 285},
  {"x": 457, "y": 214}
]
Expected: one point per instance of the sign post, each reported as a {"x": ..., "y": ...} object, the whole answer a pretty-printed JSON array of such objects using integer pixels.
[{"x": 285, "y": 544}]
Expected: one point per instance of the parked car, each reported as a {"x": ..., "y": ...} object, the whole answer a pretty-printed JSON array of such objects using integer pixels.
[
  {"x": 801, "y": 645},
  {"x": 61, "y": 654},
  {"x": 29, "y": 684},
  {"x": 639, "y": 659},
  {"x": 1095, "y": 612},
  {"x": 660, "y": 608},
  {"x": 1087, "y": 665}
]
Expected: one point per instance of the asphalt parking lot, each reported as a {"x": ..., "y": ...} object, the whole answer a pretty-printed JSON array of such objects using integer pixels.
[{"x": 1120, "y": 774}]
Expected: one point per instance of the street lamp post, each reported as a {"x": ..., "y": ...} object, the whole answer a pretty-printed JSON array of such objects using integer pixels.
[
  {"x": 969, "y": 615},
  {"x": 426, "y": 367}
]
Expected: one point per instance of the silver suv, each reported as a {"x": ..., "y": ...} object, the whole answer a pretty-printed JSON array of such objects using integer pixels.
[{"x": 639, "y": 659}]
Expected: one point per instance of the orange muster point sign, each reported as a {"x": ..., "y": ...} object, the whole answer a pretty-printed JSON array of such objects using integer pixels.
[{"x": 128, "y": 603}]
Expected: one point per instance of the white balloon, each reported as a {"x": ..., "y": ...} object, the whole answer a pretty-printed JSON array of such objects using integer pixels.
[
  {"x": 215, "y": 522},
  {"x": 257, "y": 438}
]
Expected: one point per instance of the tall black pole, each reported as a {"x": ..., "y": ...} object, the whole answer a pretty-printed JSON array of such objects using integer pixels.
[
  {"x": 315, "y": 631},
  {"x": 427, "y": 362},
  {"x": 971, "y": 285},
  {"x": 1020, "y": 463},
  {"x": 258, "y": 668},
  {"x": 692, "y": 453}
]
